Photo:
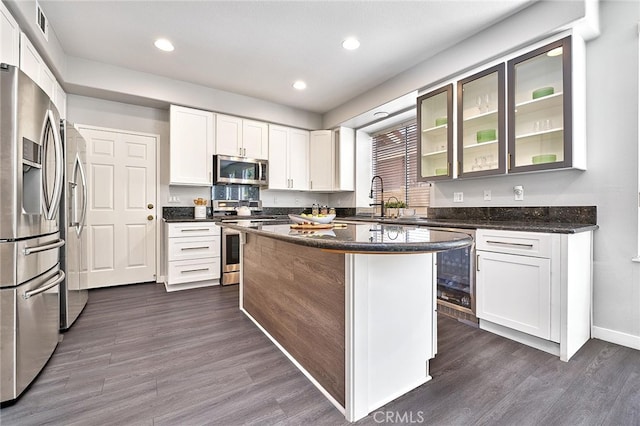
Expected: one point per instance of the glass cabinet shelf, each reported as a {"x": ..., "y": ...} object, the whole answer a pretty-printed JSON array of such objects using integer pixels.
[
  {"x": 435, "y": 112},
  {"x": 540, "y": 113},
  {"x": 481, "y": 123}
]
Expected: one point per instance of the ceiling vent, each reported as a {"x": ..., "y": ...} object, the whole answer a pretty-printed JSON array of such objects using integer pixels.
[{"x": 42, "y": 21}]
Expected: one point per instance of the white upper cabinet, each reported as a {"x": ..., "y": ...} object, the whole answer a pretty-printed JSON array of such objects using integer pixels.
[
  {"x": 9, "y": 38},
  {"x": 298, "y": 159},
  {"x": 321, "y": 160},
  {"x": 344, "y": 139},
  {"x": 332, "y": 160},
  {"x": 241, "y": 138},
  {"x": 255, "y": 139},
  {"x": 191, "y": 146},
  {"x": 32, "y": 64},
  {"x": 228, "y": 135},
  {"x": 60, "y": 100},
  {"x": 288, "y": 158}
]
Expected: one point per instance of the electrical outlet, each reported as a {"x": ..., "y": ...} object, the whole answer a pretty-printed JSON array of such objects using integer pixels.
[
  {"x": 458, "y": 197},
  {"x": 297, "y": 201},
  {"x": 173, "y": 199},
  {"x": 518, "y": 193},
  {"x": 487, "y": 195}
]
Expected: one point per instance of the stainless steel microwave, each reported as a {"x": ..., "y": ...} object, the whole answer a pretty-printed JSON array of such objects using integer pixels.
[{"x": 239, "y": 170}]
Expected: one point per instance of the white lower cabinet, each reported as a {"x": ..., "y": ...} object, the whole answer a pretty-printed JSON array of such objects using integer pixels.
[
  {"x": 515, "y": 291},
  {"x": 193, "y": 255},
  {"x": 535, "y": 288}
]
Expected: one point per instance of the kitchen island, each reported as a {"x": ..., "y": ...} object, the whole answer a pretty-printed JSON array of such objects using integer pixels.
[{"x": 352, "y": 307}]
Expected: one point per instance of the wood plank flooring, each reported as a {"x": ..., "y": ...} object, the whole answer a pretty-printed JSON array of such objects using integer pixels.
[{"x": 141, "y": 356}]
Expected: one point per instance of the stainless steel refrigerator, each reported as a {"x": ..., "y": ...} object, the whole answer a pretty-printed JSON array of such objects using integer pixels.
[
  {"x": 31, "y": 187},
  {"x": 73, "y": 212}
]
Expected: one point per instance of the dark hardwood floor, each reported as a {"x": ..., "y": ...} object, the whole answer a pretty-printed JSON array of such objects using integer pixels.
[{"x": 141, "y": 356}]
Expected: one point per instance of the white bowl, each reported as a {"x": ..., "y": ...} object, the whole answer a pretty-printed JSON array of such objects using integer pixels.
[{"x": 314, "y": 219}]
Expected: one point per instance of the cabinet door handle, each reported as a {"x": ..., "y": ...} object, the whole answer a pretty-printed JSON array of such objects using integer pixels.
[
  {"x": 194, "y": 270},
  {"x": 194, "y": 229},
  {"x": 194, "y": 248},
  {"x": 502, "y": 243},
  {"x": 477, "y": 262}
]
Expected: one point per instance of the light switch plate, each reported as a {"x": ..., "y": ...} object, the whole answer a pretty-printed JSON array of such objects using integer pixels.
[{"x": 458, "y": 197}]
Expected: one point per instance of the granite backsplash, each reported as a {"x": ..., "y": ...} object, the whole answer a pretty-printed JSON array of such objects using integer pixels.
[
  {"x": 549, "y": 214},
  {"x": 188, "y": 212}
]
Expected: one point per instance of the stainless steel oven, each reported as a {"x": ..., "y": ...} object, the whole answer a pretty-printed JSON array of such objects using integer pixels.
[{"x": 230, "y": 257}]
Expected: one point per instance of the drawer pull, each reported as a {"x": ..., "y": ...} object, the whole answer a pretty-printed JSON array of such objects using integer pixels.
[
  {"x": 194, "y": 270},
  {"x": 502, "y": 243},
  {"x": 194, "y": 248},
  {"x": 194, "y": 229}
]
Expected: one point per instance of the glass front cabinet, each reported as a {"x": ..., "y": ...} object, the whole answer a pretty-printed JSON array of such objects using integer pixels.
[
  {"x": 481, "y": 138},
  {"x": 521, "y": 115},
  {"x": 540, "y": 116},
  {"x": 435, "y": 150}
]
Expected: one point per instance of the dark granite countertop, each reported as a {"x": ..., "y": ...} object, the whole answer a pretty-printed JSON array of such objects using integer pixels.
[
  {"x": 515, "y": 225},
  {"x": 362, "y": 237},
  {"x": 561, "y": 219},
  {"x": 190, "y": 219}
]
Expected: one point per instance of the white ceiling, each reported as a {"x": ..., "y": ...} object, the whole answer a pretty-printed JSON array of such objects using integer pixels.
[{"x": 259, "y": 48}]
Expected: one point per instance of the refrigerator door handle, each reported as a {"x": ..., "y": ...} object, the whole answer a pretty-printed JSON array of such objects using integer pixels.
[
  {"x": 37, "y": 249},
  {"x": 85, "y": 194},
  {"x": 52, "y": 208},
  {"x": 45, "y": 287}
]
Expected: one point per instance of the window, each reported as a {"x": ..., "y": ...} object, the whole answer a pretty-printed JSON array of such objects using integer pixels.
[{"x": 394, "y": 158}]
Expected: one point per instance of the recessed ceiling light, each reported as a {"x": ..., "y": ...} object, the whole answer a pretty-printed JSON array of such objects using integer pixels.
[
  {"x": 381, "y": 114},
  {"x": 351, "y": 43},
  {"x": 164, "y": 44},
  {"x": 555, "y": 52},
  {"x": 300, "y": 85}
]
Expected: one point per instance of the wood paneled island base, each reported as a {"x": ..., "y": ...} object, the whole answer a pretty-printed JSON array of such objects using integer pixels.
[
  {"x": 297, "y": 295},
  {"x": 359, "y": 324}
]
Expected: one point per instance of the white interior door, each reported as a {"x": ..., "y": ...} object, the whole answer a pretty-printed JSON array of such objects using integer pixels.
[{"x": 121, "y": 214}]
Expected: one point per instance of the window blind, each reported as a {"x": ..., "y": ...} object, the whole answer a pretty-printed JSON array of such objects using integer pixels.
[{"x": 395, "y": 160}]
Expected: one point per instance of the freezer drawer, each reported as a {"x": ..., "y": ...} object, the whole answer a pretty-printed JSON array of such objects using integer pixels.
[
  {"x": 29, "y": 319},
  {"x": 23, "y": 260}
]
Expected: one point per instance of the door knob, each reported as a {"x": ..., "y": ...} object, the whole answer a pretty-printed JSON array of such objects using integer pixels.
[
  {"x": 149, "y": 206},
  {"x": 150, "y": 217}
]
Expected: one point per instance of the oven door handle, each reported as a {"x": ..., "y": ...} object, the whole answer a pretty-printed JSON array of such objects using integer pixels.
[{"x": 45, "y": 287}]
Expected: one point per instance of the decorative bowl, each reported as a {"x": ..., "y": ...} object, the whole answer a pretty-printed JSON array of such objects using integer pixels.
[
  {"x": 543, "y": 158},
  {"x": 312, "y": 219},
  {"x": 486, "y": 135},
  {"x": 542, "y": 92}
]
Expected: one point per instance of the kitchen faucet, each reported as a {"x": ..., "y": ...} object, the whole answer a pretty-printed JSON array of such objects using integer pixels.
[{"x": 381, "y": 203}]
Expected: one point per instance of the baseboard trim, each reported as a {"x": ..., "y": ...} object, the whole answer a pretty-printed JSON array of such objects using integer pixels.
[{"x": 617, "y": 337}]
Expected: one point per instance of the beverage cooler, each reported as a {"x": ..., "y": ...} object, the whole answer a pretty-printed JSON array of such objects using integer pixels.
[{"x": 456, "y": 280}]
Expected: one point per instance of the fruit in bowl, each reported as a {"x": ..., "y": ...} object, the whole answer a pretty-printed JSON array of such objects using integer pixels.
[{"x": 309, "y": 218}]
